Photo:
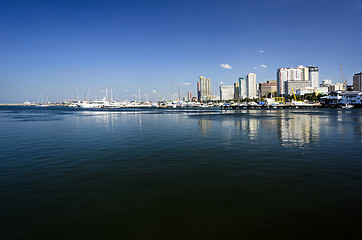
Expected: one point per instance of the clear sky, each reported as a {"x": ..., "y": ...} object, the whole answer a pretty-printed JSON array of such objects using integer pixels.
[{"x": 162, "y": 46}]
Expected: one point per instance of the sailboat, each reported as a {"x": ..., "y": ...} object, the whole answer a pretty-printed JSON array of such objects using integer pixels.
[
  {"x": 42, "y": 102},
  {"x": 111, "y": 104}
]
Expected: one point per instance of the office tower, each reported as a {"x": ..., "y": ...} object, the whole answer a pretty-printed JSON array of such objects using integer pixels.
[
  {"x": 251, "y": 85},
  {"x": 236, "y": 90},
  {"x": 205, "y": 88},
  {"x": 357, "y": 82},
  {"x": 226, "y": 92},
  {"x": 242, "y": 88}
]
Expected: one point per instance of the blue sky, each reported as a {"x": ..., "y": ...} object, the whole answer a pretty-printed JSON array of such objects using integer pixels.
[{"x": 162, "y": 46}]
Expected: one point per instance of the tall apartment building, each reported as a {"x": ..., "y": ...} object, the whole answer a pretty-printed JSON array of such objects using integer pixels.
[
  {"x": 205, "y": 88},
  {"x": 357, "y": 82},
  {"x": 304, "y": 77},
  {"x": 251, "y": 85},
  {"x": 226, "y": 92}
]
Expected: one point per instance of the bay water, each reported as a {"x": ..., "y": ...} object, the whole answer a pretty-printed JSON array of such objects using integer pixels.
[{"x": 179, "y": 173}]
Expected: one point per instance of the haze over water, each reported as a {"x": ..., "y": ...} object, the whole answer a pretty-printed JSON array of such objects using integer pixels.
[{"x": 179, "y": 174}]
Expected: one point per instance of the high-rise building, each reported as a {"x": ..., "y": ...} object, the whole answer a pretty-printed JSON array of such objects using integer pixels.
[
  {"x": 198, "y": 91},
  {"x": 305, "y": 76},
  {"x": 242, "y": 88},
  {"x": 251, "y": 85},
  {"x": 236, "y": 90},
  {"x": 189, "y": 96},
  {"x": 357, "y": 82},
  {"x": 205, "y": 88},
  {"x": 226, "y": 92},
  {"x": 313, "y": 76}
]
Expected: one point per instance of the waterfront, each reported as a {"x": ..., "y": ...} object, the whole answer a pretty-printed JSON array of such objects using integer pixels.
[{"x": 176, "y": 174}]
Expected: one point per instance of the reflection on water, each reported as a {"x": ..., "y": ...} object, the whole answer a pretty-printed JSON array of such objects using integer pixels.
[
  {"x": 298, "y": 129},
  {"x": 292, "y": 128},
  {"x": 204, "y": 125}
]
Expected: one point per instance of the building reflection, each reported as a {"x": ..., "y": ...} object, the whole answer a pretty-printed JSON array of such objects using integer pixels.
[
  {"x": 249, "y": 127},
  {"x": 290, "y": 128},
  {"x": 298, "y": 129},
  {"x": 205, "y": 125}
]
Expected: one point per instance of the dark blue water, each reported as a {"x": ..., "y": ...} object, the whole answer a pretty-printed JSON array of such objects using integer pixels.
[{"x": 179, "y": 174}]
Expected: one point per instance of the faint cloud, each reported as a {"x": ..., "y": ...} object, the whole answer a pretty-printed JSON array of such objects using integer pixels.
[
  {"x": 154, "y": 91},
  {"x": 263, "y": 66},
  {"x": 255, "y": 67},
  {"x": 134, "y": 95},
  {"x": 186, "y": 83},
  {"x": 221, "y": 83},
  {"x": 227, "y": 66},
  {"x": 261, "y": 51},
  {"x": 126, "y": 90}
]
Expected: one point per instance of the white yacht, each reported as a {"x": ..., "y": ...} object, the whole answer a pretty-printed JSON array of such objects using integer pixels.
[
  {"x": 111, "y": 104},
  {"x": 99, "y": 103}
]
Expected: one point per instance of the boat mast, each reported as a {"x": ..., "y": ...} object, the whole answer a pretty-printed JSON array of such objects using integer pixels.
[{"x": 76, "y": 91}]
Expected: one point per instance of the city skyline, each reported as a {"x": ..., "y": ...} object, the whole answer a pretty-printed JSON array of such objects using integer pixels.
[{"x": 164, "y": 46}]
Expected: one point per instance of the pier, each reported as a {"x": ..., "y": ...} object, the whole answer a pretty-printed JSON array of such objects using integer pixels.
[{"x": 272, "y": 107}]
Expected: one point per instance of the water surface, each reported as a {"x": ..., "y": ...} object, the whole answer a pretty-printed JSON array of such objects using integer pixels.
[{"x": 179, "y": 174}]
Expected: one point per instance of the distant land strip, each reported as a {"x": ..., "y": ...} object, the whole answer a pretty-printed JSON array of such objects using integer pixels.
[{"x": 17, "y": 104}]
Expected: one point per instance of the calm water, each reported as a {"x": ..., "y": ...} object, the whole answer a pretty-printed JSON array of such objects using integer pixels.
[{"x": 179, "y": 174}]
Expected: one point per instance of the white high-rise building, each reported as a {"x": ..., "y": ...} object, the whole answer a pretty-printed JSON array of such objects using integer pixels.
[
  {"x": 251, "y": 85},
  {"x": 313, "y": 76},
  {"x": 226, "y": 92},
  {"x": 205, "y": 88}
]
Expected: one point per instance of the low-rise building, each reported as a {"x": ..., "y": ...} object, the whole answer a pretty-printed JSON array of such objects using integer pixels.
[
  {"x": 267, "y": 87},
  {"x": 311, "y": 90},
  {"x": 352, "y": 98},
  {"x": 343, "y": 98},
  {"x": 334, "y": 98},
  {"x": 295, "y": 85}
]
